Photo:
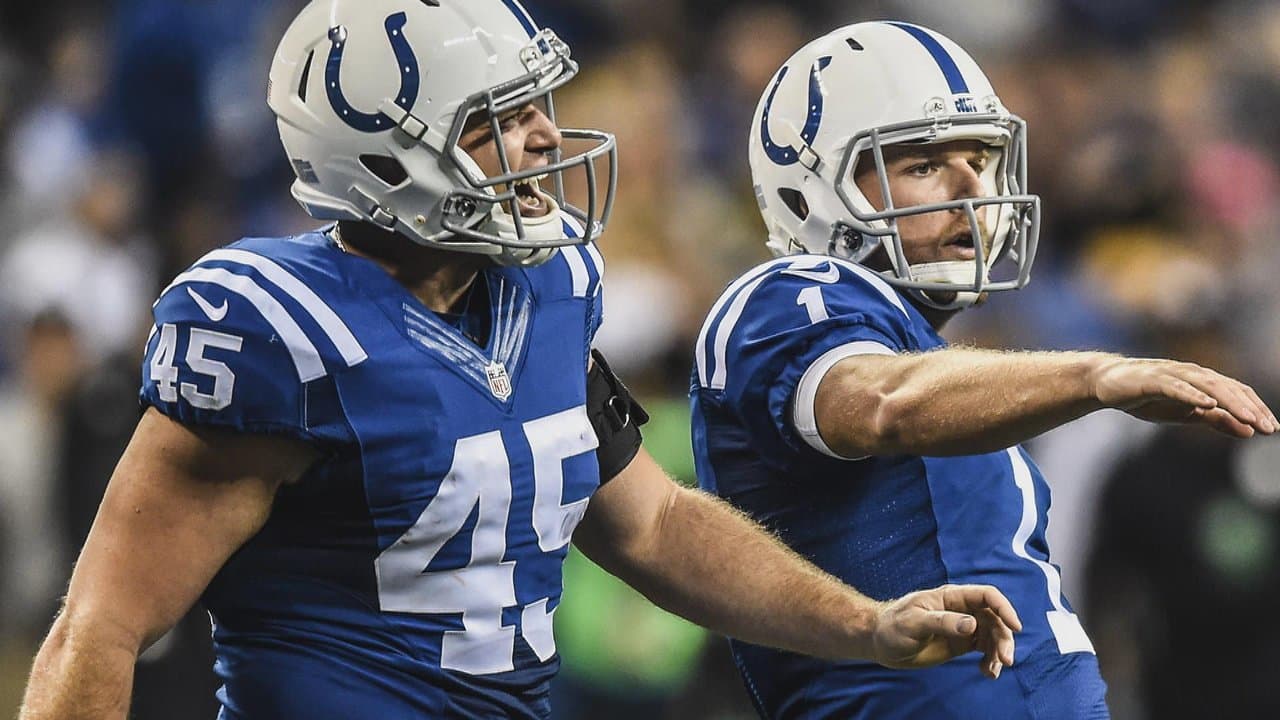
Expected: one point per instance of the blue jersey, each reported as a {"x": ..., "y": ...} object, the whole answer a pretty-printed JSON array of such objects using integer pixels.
[
  {"x": 885, "y": 525},
  {"x": 415, "y": 569}
]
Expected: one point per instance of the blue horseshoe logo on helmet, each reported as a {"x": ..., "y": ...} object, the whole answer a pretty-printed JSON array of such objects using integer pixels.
[
  {"x": 786, "y": 154},
  {"x": 409, "y": 77}
]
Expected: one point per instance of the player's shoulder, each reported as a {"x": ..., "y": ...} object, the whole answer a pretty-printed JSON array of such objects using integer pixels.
[
  {"x": 784, "y": 306},
  {"x": 791, "y": 273},
  {"x": 817, "y": 285},
  {"x": 287, "y": 292}
]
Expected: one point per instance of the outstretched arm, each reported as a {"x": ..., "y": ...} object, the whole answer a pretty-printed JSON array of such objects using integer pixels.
[
  {"x": 179, "y": 503},
  {"x": 961, "y": 401},
  {"x": 694, "y": 555}
]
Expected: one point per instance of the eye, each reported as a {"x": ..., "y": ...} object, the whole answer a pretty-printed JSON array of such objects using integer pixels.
[
  {"x": 511, "y": 120},
  {"x": 921, "y": 168}
]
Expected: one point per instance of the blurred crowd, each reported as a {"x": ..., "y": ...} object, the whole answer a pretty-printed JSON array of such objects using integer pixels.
[{"x": 134, "y": 137}]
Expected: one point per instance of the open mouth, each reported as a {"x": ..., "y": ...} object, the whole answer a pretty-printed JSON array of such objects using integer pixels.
[
  {"x": 960, "y": 246},
  {"x": 530, "y": 199}
]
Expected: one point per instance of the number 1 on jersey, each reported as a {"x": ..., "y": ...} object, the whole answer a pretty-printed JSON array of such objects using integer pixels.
[{"x": 811, "y": 299}]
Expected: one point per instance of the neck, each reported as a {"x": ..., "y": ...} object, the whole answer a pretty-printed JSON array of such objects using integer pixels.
[
  {"x": 438, "y": 278},
  {"x": 879, "y": 261},
  {"x": 935, "y": 317}
]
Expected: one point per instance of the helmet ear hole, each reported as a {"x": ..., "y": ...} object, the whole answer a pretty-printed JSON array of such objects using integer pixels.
[
  {"x": 795, "y": 202},
  {"x": 306, "y": 76},
  {"x": 385, "y": 168}
]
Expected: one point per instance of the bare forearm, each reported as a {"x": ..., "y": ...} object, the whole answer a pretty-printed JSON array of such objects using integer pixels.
[
  {"x": 79, "y": 676},
  {"x": 954, "y": 401},
  {"x": 716, "y": 567}
]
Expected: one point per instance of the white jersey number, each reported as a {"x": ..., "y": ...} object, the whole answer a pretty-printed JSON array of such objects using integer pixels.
[
  {"x": 165, "y": 373},
  {"x": 481, "y": 475}
]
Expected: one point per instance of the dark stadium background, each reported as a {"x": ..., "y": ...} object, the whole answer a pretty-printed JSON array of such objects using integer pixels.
[{"x": 134, "y": 136}]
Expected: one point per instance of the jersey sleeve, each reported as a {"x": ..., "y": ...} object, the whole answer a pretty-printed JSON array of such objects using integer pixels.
[
  {"x": 770, "y": 341},
  {"x": 231, "y": 350}
]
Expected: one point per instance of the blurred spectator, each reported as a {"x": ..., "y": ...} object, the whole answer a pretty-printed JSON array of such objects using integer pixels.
[
  {"x": 93, "y": 265},
  {"x": 1188, "y": 536},
  {"x": 33, "y": 556},
  {"x": 48, "y": 152},
  {"x": 739, "y": 63}
]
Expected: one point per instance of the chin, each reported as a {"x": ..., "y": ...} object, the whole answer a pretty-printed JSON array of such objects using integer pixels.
[{"x": 942, "y": 298}]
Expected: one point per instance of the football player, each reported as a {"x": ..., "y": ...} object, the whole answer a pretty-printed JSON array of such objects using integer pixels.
[
  {"x": 366, "y": 448},
  {"x": 893, "y": 184}
]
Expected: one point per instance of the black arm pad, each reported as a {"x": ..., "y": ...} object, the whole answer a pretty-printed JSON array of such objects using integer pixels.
[{"x": 615, "y": 416}]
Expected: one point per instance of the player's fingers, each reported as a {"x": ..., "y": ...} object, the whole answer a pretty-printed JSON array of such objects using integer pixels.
[
  {"x": 996, "y": 636},
  {"x": 995, "y": 640},
  {"x": 970, "y": 598},
  {"x": 1001, "y": 640},
  {"x": 940, "y": 622},
  {"x": 989, "y": 663},
  {"x": 1229, "y": 394},
  {"x": 1264, "y": 412},
  {"x": 1178, "y": 389},
  {"x": 1224, "y": 422},
  {"x": 1005, "y": 649}
]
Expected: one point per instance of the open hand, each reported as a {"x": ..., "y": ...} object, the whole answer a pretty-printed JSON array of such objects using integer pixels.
[
  {"x": 1177, "y": 392},
  {"x": 929, "y": 627}
]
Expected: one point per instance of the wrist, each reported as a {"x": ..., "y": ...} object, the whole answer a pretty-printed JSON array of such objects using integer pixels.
[
  {"x": 863, "y": 624},
  {"x": 1092, "y": 371}
]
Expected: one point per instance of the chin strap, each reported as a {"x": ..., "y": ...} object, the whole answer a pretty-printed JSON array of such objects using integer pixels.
[
  {"x": 956, "y": 272},
  {"x": 547, "y": 228}
]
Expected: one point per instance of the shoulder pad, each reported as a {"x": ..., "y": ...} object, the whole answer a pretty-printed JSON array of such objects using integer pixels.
[
  {"x": 237, "y": 339},
  {"x": 789, "y": 294}
]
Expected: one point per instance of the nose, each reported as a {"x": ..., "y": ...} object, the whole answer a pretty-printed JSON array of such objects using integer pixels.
[
  {"x": 543, "y": 136},
  {"x": 968, "y": 183}
]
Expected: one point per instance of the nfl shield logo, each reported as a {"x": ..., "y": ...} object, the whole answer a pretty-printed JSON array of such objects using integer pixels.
[{"x": 499, "y": 383}]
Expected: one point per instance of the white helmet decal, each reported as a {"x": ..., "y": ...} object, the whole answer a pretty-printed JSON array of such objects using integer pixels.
[
  {"x": 787, "y": 154},
  {"x": 409, "y": 80}
]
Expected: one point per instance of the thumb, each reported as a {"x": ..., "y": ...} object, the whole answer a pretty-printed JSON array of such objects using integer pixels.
[
  {"x": 947, "y": 624},
  {"x": 924, "y": 623}
]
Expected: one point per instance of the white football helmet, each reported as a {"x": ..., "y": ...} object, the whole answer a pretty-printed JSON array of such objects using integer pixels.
[
  {"x": 866, "y": 86},
  {"x": 372, "y": 96}
]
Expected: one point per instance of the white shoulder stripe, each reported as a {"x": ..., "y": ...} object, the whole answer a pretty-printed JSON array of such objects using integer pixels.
[
  {"x": 577, "y": 269},
  {"x": 597, "y": 258},
  {"x": 700, "y": 350},
  {"x": 339, "y": 334},
  {"x": 306, "y": 360},
  {"x": 574, "y": 224},
  {"x": 726, "y": 329},
  {"x": 876, "y": 282}
]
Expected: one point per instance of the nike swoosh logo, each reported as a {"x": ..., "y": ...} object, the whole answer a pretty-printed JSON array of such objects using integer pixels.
[
  {"x": 828, "y": 276},
  {"x": 215, "y": 313}
]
